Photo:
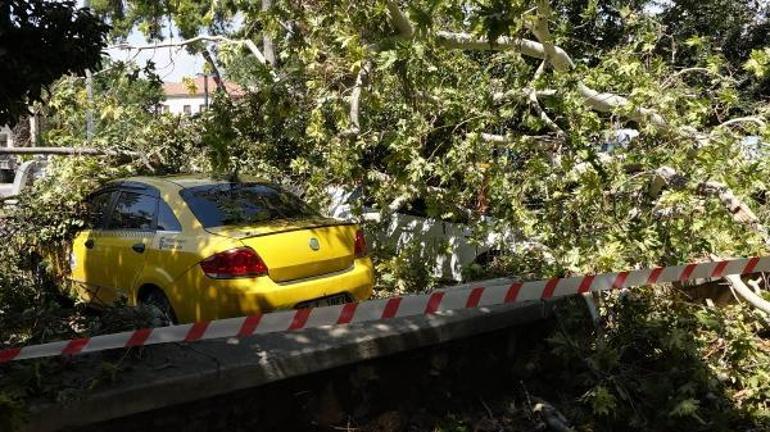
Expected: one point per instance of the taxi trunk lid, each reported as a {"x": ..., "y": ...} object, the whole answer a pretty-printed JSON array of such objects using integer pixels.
[{"x": 298, "y": 249}]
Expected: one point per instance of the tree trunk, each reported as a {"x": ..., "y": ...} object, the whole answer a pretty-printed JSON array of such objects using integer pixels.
[{"x": 267, "y": 43}]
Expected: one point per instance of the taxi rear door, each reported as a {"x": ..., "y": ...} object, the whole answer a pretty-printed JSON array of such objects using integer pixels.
[{"x": 129, "y": 233}]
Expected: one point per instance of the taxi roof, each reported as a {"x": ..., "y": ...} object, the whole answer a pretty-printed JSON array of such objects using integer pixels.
[{"x": 185, "y": 181}]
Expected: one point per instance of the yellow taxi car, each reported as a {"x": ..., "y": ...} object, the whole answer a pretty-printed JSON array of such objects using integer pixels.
[{"x": 200, "y": 249}]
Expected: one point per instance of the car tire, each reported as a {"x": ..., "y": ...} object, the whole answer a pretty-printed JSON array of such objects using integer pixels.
[
  {"x": 486, "y": 258},
  {"x": 162, "y": 312}
]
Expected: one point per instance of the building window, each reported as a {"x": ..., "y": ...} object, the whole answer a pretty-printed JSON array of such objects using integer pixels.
[
  {"x": 187, "y": 109},
  {"x": 3, "y": 140},
  {"x": 201, "y": 108},
  {"x": 165, "y": 109}
]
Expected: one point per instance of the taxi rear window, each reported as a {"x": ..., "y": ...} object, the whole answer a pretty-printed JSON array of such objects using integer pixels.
[{"x": 226, "y": 204}]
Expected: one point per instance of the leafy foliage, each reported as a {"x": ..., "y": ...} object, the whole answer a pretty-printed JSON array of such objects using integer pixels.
[
  {"x": 657, "y": 362},
  {"x": 41, "y": 40}
]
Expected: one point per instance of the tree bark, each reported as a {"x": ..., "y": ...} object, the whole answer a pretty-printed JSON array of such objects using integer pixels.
[
  {"x": 267, "y": 42},
  {"x": 355, "y": 99},
  {"x": 217, "y": 76}
]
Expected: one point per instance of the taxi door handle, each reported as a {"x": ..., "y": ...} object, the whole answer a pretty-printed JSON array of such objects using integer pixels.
[
  {"x": 138, "y": 247},
  {"x": 89, "y": 244}
]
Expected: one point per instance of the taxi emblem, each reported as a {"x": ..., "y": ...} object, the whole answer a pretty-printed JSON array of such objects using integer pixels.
[{"x": 314, "y": 244}]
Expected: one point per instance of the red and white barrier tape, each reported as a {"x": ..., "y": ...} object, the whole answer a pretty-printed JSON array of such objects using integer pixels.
[{"x": 484, "y": 293}]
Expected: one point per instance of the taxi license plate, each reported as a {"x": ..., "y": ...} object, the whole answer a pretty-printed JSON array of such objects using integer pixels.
[{"x": 333, "y": 300}]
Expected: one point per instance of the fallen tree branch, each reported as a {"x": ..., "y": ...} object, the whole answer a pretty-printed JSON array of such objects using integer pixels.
[
  {"x": 513, "y": 138},
  {"x": 740, "y": 120},
  {"x": 739, "y": 211},
  {"x": 535, "y": 104},
  {"x": 556, "y": 56},
  {"x": 497, "y": 138},
  {"x": 355, "y": 100},
  {"x": 747, "y": 293},
  {"x": 560, "y": 62},
  {"x": 71, "y": 151},
  {"x": 217, "y": 76},
  {"x": 501, "y": 97},
  {"x": 248, "y": 43},
  {"x": 400, "y": 21},
  {"x": 267, "y": 42}
]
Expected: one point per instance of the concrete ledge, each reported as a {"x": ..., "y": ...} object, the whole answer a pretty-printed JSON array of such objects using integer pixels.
[{"x": 172, "y": 374}]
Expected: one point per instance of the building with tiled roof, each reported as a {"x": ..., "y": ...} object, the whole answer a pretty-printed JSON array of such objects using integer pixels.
[{"x": 181, "y": 100}]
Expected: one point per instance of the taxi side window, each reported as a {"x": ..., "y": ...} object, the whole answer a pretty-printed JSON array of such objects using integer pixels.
[
  {"x": 97, "y": 206},
  {"x": 133, "y": 211},
  {"x": 166, "y": 219}
]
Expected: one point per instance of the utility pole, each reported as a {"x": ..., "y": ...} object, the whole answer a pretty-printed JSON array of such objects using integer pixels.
[
  {"x": 205, "y": 76},
  {"x": 206, "y": 90},
  {"x": 89, "y": 93}
]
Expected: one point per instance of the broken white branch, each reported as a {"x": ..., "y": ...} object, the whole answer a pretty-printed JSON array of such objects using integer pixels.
[
  {"x": 747, "y": 294},
  {"x": 497, "y": 139},
  {"x": 561, "y": 61},
  {"x": 529, "y": 48},
  {"x": 540, "y": 29},
  {"x": 267, "y": 42},
  {"x": 355, "y": 99},
  {"x": 740, "y": 120},
  {"x": 667, "y": 83},
  {"x": 401, "y": 22},
  {"x": 556, "y": 56},
  {"x": 203, "y": 38},
  {"x": 612, "y": 103},
  {"x": 67, "y": 151},
  {"x": 739, "y": 211},
  {"x": 508, "y": 95},
  {"x": 535, "y": 104}
]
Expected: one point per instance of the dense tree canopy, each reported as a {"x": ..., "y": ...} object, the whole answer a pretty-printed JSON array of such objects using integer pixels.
[
  {"x": 499, "y": 108},
  {"x": 41, "y": 40}
]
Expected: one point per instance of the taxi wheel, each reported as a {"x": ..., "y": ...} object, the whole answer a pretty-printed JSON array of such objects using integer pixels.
[{"x": 162, "y": 313}]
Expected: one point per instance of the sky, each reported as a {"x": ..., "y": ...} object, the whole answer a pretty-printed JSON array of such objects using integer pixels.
[{"x": 172, "y": 64}]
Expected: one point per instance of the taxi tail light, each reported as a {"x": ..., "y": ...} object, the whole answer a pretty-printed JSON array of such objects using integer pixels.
[
  {"x": 234, "y": 263},
  {"x": 360, "y": 244}
]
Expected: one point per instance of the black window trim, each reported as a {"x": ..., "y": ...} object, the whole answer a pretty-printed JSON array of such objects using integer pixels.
[
  {"x": 132, "y": 187},
  {"x": 140, "y": 188},
  {"x": 118, "y": 187},
  {"x": 157, "y": 213},
  {"x": 153, "y": 226},
  {"x": 115, "y": 191}
]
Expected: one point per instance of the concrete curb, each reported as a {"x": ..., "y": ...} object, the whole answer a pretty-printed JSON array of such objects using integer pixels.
[{"x": 174, "y": 374}]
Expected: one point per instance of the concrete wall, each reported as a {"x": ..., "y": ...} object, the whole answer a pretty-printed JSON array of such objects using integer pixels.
[{"x": 172, "y": 374}]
